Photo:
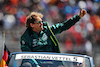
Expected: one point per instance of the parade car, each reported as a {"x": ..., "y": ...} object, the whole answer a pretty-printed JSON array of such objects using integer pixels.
[{"x": 46, "y": 59}]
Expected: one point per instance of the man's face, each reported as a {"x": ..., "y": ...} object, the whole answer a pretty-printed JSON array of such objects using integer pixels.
[{"x": 38, "y": 25}]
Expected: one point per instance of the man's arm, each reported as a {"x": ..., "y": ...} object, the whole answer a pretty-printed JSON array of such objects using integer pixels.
[{"x": 59, "y": 27}]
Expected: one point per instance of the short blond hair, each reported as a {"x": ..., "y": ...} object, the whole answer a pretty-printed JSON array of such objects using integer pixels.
[{"x": 31, "y": 18}]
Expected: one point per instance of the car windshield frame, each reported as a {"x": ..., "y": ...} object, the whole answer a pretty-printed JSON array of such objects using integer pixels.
[{"x": 21, "y": 55}]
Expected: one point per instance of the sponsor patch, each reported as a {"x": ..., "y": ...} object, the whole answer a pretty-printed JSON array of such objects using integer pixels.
[
  {"x": 44, "y": 37},
  {"x": 23, "y": 42}
]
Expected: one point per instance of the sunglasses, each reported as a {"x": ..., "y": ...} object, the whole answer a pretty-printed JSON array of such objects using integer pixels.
[{"x": 39, "y": 22}]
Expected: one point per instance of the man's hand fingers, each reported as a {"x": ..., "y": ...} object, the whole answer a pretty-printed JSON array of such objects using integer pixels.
[
  {"x": 82, "y": 12},
  {"x": 81, "y": 9}
]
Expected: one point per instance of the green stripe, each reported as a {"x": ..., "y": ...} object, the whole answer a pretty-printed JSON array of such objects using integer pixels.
[
  {"x": 56, "y": 44},
  {"x": 53, "y": 40},
  {"x": 52, "y": 33}
]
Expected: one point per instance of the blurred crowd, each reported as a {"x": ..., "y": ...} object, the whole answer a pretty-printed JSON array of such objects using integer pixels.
[{"x": 81, "y": 38}]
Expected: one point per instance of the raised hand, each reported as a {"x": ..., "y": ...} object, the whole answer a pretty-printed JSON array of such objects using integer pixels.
[{"x": 82, "y": 12}]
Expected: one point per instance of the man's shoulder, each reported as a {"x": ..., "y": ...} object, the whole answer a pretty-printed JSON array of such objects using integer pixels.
[{"x": 45, "y": 24}]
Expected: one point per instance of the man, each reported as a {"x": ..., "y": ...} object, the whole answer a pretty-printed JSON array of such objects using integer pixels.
[{"x": 38, "y": 37}]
